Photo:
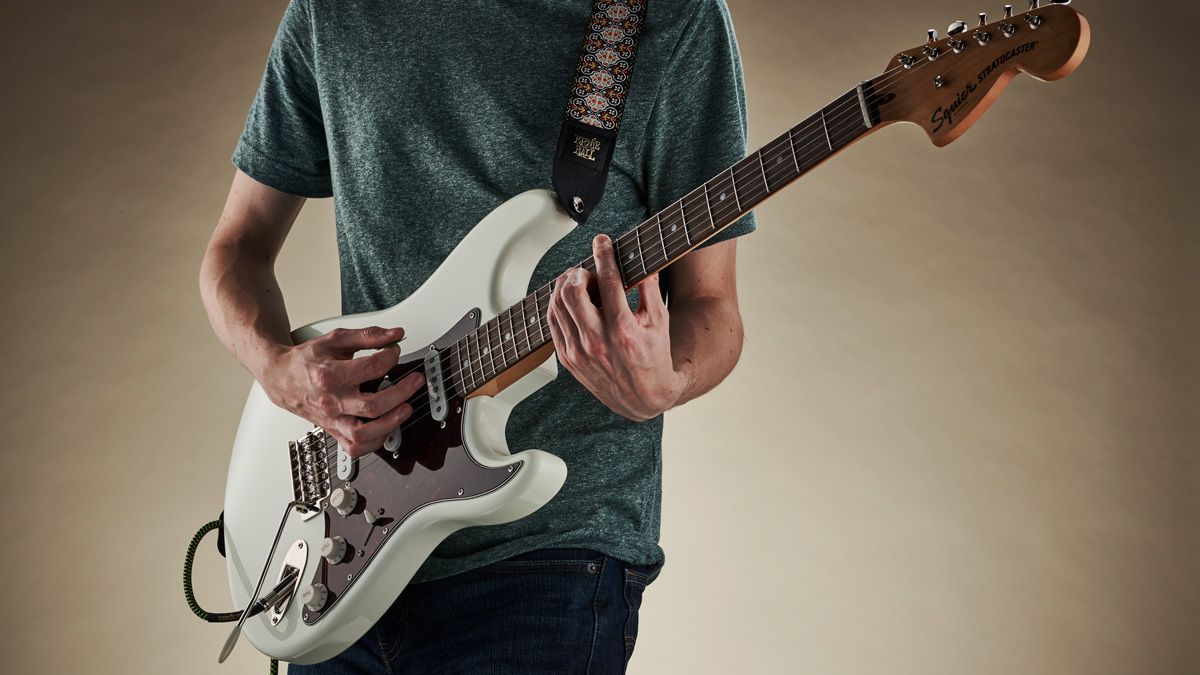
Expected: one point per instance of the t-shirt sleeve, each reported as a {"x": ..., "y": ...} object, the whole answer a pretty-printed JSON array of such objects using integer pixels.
[
  {"x": 697, "y": 127},
  {"x": 283, "y": 145}
]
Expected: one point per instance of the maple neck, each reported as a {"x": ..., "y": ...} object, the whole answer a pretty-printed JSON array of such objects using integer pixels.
[{"x": 523, "y": 329}]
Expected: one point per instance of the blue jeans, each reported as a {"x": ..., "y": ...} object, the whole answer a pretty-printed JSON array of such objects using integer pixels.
[{"x": 549, "y": 611}]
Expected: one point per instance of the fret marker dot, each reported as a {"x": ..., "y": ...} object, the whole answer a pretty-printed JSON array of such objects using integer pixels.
[
  {"x": 486, "y": 350},
  {"x": 779, "y": 161},
  {"x": 722, "y": 196},
  {"x": 467, "y": 363},
  {"x": 532, "y": 320},
  {"x": 508, "y": 336},
  {"x": 674, "y": 227},
  {"x": 631, "y": 256}
]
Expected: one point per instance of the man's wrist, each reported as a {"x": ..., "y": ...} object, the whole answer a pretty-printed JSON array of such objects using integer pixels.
[{"x": 266, "y": 358}]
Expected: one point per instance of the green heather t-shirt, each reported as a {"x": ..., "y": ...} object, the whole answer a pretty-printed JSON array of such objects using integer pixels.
[{"x": 420, "y": 117}]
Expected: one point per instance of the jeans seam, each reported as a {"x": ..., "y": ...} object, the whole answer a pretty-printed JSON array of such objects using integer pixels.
[
  {"x": 383, "y": 651},
  {"x": 596, "y": 614}
]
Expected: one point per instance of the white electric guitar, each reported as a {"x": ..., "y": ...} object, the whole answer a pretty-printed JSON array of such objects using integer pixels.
[{"x": 319, "y": 545}]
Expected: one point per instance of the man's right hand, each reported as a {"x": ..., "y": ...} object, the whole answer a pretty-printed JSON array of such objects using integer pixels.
[{"x": 319, "y": 381}]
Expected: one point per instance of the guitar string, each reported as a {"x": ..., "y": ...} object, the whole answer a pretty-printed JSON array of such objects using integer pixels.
[
  {"x": 848, "y": 111},
  {"x": 770, "y": 165}
]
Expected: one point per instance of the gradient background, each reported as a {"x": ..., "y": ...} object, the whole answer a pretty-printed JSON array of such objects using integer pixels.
[{"x": 963, "y": 437}]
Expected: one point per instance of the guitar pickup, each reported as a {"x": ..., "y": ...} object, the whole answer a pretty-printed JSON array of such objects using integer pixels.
[{"x": 439, "y": 407}]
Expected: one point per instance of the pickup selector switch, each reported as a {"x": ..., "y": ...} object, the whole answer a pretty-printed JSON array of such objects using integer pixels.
[
  {"x": 344, "y": 500},
  {"x": 314, "y": 597},
  {"x": 333, "y": 550}
]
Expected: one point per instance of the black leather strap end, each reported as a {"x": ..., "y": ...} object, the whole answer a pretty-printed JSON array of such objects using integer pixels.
[{"x": 581, "y": 166}]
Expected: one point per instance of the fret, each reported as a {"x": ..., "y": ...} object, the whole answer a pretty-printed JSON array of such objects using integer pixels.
[
  {"x": 762, "y": 168},
  {"x": 637, "y": 235},
  {"x": 456, "y": 360},
  {"x": 489, "y": 350},
  {"x": 749, "y": 185},
  {"x": 846, "y": 127},
  {"x": 470, "y": 363},
  {"x": 811, "y": 138},
  {"x": 792, "y": 145},
  {"x": 520, "y": 307},
  {"x": 624, "y": 258},
  {"x": 509, "y": 336},
  {"x": 778, "y": 172},
  {"x": 542, "y": 313},
  {"x": 662, "y": 241},
  {"x": 722, "y": 189},
  {"x": 826, "y": 128},
  {"x": 695, "y": 215},
  {"x": 493, "y": 333},
  {"x": 712, "y": 222},
  {"x": 531, "y": 321},
  {"x": 733, "y": 181},
  {"x": 478, "y": 359}
]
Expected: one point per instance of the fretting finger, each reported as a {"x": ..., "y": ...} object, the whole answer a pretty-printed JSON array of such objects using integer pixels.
[
  {"x": 650, "y": 300},
  {"x": 608, "y": 278},
  {"x": 578, "y": 303}
]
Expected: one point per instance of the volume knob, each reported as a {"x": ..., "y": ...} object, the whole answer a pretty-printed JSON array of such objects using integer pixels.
[
  {"x": 344, "y": 500},
  {"x": 314, "y": 597},
  {"x": 333, "y": 550}
]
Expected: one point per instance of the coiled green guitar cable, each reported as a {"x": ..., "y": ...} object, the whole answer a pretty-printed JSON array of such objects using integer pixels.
[{"x": 190, "y": 595}]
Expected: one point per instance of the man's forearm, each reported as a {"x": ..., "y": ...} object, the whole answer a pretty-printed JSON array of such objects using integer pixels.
[
  {"x": 245, "y": 305},
  {"x": 706, "y": 342}
]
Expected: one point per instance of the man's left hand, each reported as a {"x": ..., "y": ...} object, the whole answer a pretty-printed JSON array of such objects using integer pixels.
[{"x": 622, "y": 356}]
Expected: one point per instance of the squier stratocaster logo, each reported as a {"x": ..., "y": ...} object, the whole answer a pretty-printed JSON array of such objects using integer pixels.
[
  {"x": 585, "y": 148},
  {"x": 945, "y": 115}
]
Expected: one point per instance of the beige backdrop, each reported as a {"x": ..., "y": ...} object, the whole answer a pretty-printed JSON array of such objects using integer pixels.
[{"x": 962, "y": 438}]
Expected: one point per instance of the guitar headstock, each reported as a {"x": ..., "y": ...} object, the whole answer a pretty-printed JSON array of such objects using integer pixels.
[{"x": 945, "y": 85}]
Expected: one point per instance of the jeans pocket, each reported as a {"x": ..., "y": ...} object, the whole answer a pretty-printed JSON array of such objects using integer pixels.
[
  {"x": 635, "y": 583},
  {"x": 548, "y": 560}
]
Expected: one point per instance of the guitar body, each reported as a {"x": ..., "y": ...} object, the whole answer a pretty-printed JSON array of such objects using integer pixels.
[{"x": 444, "y": 478}]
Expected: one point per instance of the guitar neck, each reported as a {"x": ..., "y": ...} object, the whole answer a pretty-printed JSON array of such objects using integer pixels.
[{"x": 480, "y": 361}]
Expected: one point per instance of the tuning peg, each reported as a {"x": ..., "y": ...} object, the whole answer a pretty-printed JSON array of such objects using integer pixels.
[
  {"x": 1060, "y": 2},
  {"x": 931, "y": 51},
  {"x": 1033, "y": 4},
  {"x": 1008, "y": 11},
  {"x": 982, "y": 19},
  {"x": 956, "y": 28}
]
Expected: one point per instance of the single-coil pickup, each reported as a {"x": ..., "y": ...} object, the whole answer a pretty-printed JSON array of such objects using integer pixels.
[{"x": 439, "y": 407}]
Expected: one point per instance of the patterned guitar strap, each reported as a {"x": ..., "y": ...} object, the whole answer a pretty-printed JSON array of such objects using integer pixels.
[{"x": 598, "y": 94}]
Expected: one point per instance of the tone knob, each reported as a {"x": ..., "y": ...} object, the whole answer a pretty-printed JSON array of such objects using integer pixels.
[
  {"x": 314, "y": 597},
  {"x": 344, "y": 500},
  {"x": 333, "y": 550}
]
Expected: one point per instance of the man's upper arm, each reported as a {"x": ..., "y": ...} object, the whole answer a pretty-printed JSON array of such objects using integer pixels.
[
  {"x": 697, "y": 127},
  {"x": 707, "y": 273},
  {"x": 256, "y": 218}
]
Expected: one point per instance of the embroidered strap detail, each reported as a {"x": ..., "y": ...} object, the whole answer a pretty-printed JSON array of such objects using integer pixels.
[
  {"x": 606, "y": 62},
  {"x": 597, "y": 101}
]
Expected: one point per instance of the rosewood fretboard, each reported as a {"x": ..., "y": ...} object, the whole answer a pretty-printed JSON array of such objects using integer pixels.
[{"x": 499, "y": 344}]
